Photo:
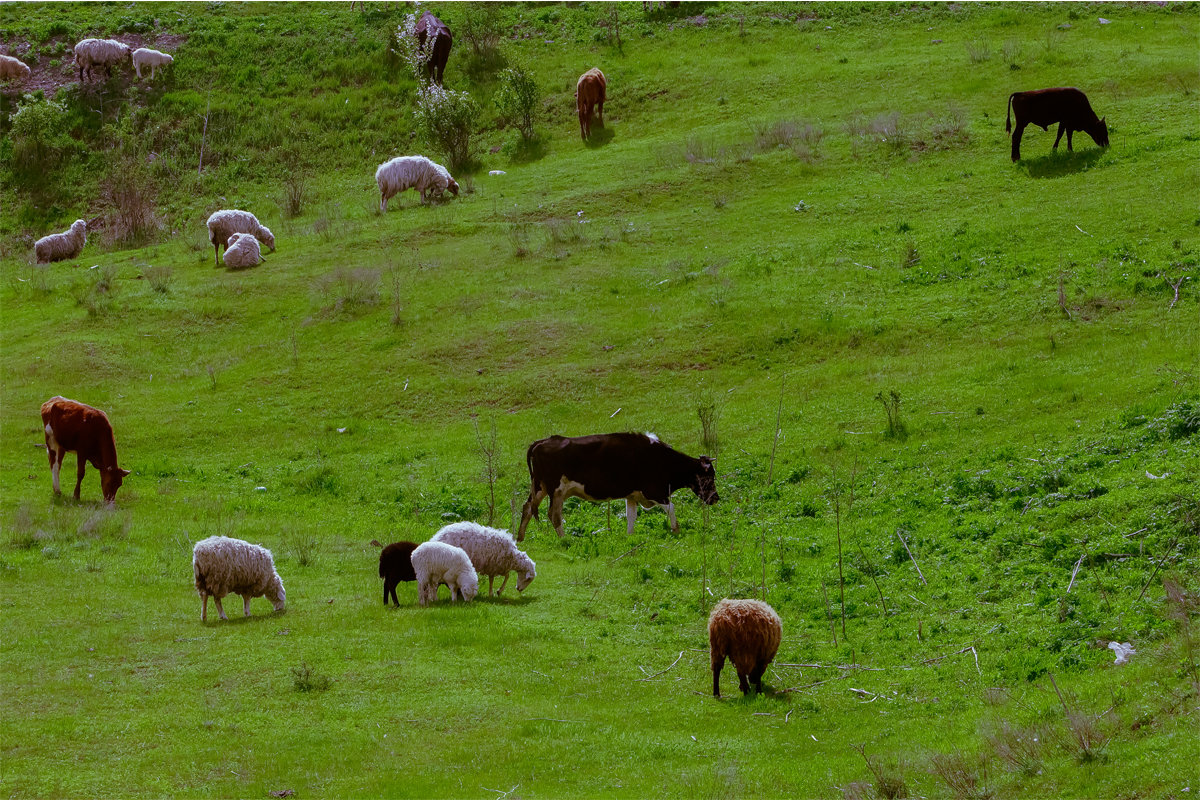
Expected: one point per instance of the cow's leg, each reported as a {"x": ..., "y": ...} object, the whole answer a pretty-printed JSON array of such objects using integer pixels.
[
  {"x": 717, "y": 665},
  {"x": 245, "y": 605},
  {"x": 671, "y": 516},
  {"x": 220, "y": 608},
  {"x": 631, "y": 509},
  {"x": 1062, "y": 126},
  {"x": 600, "y": 106},
  {"x": 556, "y": 511},
  {"x": 529, "y": 510},
  {"x": 1070, "y": 149},
  {"x": 1016, "y": 140},
  {"x": 82, "y": 465}
]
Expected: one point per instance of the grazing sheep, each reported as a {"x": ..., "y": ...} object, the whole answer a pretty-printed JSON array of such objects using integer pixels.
[
  {"x": 436, "y": 563},
  {"x": 224, "y": 224},
  {"x": 412, "y": 172},
  {"x": 243, "y": 251},
  {"x": 590, "y": 91},
  {"x": 145, "y": 57},
  {"x": 493, "y": 552},
  {"x": 230, "y": 566},
  {"x": 748, "y": 632},
  {"x": 13, "y": 68},
  {"x": 92, "y": 53},
  {"x": 60, "y": 246},
  {"x": 395, "y": 565}
]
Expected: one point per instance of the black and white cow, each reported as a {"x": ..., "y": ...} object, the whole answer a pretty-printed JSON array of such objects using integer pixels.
[{"x": 634, "y": 466}]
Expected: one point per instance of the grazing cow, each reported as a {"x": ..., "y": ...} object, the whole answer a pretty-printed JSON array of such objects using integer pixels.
[
  {"x": 589, "y": 93},
  {"x": 1044, "y": 107},
  {"x": 437, "y": 53},
  {"x": 635, "y": 466},
  {"x": 85, "y": 431}
]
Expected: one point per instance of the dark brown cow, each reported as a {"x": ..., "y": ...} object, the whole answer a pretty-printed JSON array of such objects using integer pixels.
[
  {"x": 437, "y": 53},
  {"x": 635, "y": 466},
  {"x": 85, "y": 431},
  {"x": 1068, "y": 107},
  {"x": 589, "y": 93}
]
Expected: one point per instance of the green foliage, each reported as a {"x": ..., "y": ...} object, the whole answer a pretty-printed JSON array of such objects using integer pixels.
[
  {"x": 38, "y": 133},
  {"x": 518, "y": 99},
  {"x": 447, "y": 120}
]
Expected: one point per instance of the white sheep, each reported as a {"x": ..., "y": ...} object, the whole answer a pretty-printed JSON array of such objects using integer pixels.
[
  {"x": 231, "y": 566},
  {"x": 13, "y": 68},
  {"x": 436, "y": 563},
  {"x": 59, "y": 246},
  {"x": 412, "y": 172},
  {"x": 243, "y": 251},
  {"x": 92, "y": 53},
  {"x": 492, "y": 552},
  {"x": 145, "y": 57},
  {"x": 224, "y": 224}
]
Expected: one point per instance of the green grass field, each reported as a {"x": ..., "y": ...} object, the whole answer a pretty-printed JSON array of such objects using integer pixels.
[{"x": 953, "y": 401}]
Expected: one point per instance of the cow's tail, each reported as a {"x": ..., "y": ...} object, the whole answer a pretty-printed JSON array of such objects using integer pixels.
[
  {"x": 532, "y": 480},
  {"x": 1008, "y": 119}
]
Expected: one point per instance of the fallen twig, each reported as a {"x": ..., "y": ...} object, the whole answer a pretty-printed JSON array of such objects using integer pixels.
[
  {"x": 627, "y": 552},
  {"x": 1135, "y": 533},
  {"x": 1075, "y": 572},
  {"x": 661, "y": 671},
  {"x": 910, "y": 555},
  {"x": 785, "y": 716},
  {"x": 501, "y": 793}
]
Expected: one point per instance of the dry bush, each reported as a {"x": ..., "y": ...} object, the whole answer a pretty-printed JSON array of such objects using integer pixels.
[
  {"x": 128, "y": 192},
  {"x": 295, "y": 194},
  {"x": 961, "y": 776},
  {"x": 349, "y": 287},
  {"x": 979, "y": 51},
  {"x": 159, "y": 278},
  {"x": 1018, "y": 748}
]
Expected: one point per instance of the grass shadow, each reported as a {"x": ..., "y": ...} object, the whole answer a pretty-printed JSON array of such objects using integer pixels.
[
  {"x": 236, "y": 617},
  {"x": 599, "y": 137},
  {"x": 526, "y": 151},
  {"x": 1059, "y": 164},
  {"x": 506, "y": 599}
]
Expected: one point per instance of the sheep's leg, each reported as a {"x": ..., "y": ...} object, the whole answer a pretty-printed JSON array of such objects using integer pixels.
[
  {"x": 631, "y": 511},
  {"x": 395, "y": 599},
  {"x": 490, "y": 578},
  {"x": 717, "y": 664},
  {"x": 743, "y": 683},
  {"x": 245, "y": 605},
  {"x": 204, "y": 606},
  {"x": 383, "y": 198},
  {"x": 220, "y": 608},
  {"x": 82, "y": 465},
  {"x": 216, "y": 254},
  {"x": 756, "y": 675},
  {"x": 671, "y": 517},
  {"x": 503, "y": 583}
]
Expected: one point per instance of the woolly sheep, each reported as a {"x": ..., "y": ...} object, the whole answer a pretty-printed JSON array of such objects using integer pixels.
[
  {"x": 145, "y": 57},
  {"x": 13, "y": 68},
  {"x": 60, "y": 246},
  {"x": 436, "y": 563},
  {"x": 224, "y": 224},
  {"x": 412, "y": 172},
  {"x": 231, "y": 566},
  {"x": 243, "y": 251},
  {"x": 748, "y": 632},
  {"x": 92, "y": 53},
  {"x": 492, "y": 552},
  {"x": 395, "y": 565}
]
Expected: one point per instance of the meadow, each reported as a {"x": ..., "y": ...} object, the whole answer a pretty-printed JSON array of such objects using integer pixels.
[{"x": 953, "y": 402}]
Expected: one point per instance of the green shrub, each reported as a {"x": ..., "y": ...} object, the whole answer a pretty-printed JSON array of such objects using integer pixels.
[
  {"x": 446, "y": 121},
  {"x": 518, "y": 99},
  {"x": 38, "y": 133}
]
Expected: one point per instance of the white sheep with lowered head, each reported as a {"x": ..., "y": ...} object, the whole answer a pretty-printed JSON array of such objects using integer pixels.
[
  {"x": 92, "y": 53},
  {"x": 412, "y": 172},
  {"x": 492, "y": 552},
  {"x": 145, "y": 57},
  {"x": 748, "y": 632},
  {"x": 14, "y": 69},
  {"x": 224, "y": 224},
  {"x": 436, "y": 563},
  {"x": 224, "y": 566},
  {"x": 243, "y": 252},
  {"x": 60, "y": 246}
]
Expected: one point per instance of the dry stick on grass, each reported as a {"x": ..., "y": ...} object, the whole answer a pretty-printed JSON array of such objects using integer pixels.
[
  {"x": 204, "y": 134},
  {"x": 1062, "y": 296},
  {"x": 775, "y": 443},
  {"x": 863, "y": 553},
  {"x": 829, "y": 613},
  {"x": 1075, "y": 571},
  {"x": 1157, "y": 567},
  {"x": 661, "y": 671},
  {"x": 1174, "y": 286},
  {"x": 1096, "y": 575},
  {"x": 627, "y": 552},
  {"x": 915, "y": 564}
]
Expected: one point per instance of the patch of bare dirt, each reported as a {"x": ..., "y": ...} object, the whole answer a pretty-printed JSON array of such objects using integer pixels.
[{"x": 52, "y": 72}]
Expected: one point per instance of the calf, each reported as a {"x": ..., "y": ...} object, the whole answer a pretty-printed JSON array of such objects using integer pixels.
[
  {"x": 634, "y": 466},
  {"x": 432, "y": 30},
  {"x": 589, "y": 93},
  {"x": 85, "y": 431},
  {"x": 1044, "y": 107}
]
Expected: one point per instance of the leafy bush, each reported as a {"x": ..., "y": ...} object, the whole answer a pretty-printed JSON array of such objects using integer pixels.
[
  {"x": 518, "y": 98},
  {"x": 481, "y": 27},
  {"x": 446, "y": 120},
  {"x": 38, "y": 133}
]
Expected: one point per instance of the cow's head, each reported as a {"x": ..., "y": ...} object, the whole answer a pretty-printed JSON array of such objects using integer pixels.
[
  {"x": 706, "y": 481},
  {"x": 110, "y": 481},
  {"x": 1101, "y": 134}
]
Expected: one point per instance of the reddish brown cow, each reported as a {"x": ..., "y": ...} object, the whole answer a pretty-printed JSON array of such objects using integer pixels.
[
  {"x": 589, "y": 93},
  {"x": 85, "y": 431},
  {"x": 432, "y": 30},
  {"x": 1068, "y": 107}
]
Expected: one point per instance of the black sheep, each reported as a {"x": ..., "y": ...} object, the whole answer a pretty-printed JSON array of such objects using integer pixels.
[{"x": 395, "y": 565}]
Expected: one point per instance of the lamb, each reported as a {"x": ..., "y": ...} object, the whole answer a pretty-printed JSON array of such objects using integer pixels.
[
  {"x": 492, "y": 552},
  {"x": 13, "y": 68},
  {"x": 395, "y": 565},
  {"x": 748, "y": 632},
  {"x": 412, "y": 172},
  {"x": 243, "y": 251},
  {"x": 60, "y": 246},
  {"x": 92, "y": 53},
  {"x": 224, "y": 224},
  {"x": 223, "y": 566},
  {"x": 145, "y": 57},
  {"x": 436, "y": 563}
]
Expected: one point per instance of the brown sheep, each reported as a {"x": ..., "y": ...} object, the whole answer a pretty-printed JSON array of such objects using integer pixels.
[
  {"x": 589, "y": 93},
  {"x": 748, "y": 632}
]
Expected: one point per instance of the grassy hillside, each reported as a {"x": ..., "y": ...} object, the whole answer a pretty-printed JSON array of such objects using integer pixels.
[{"x": 953, "y": 401}]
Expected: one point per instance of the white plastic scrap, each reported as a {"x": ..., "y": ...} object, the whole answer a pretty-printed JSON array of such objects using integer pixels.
[
  {"x": 1104, "y": 21},
  {"x": 497, "y": 172},
  {"x": 1122, "y": 651}
]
